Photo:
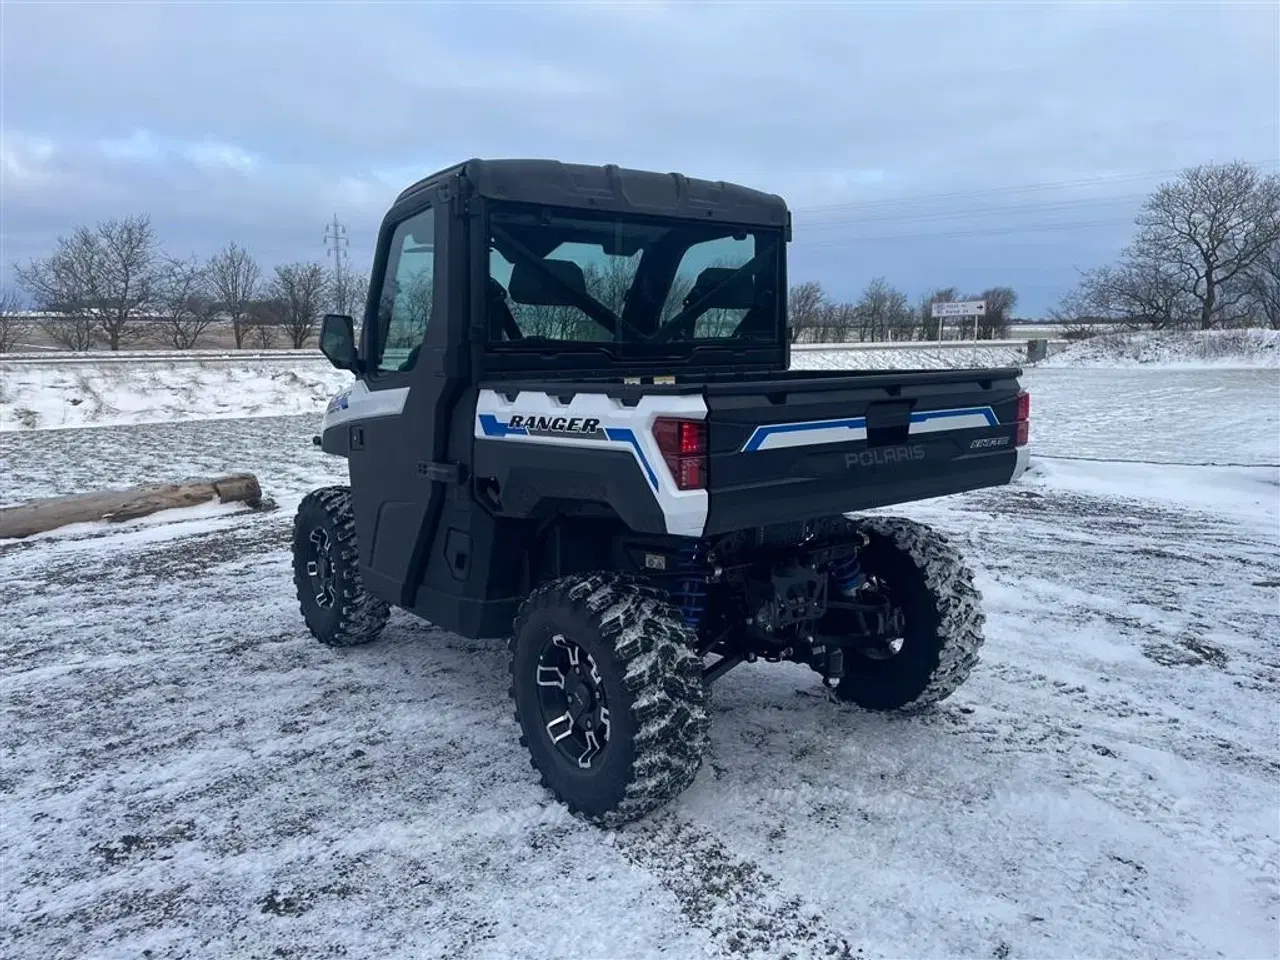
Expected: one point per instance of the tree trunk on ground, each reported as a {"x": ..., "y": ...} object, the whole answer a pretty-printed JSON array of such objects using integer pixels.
[{"x": 115, "y": 506}]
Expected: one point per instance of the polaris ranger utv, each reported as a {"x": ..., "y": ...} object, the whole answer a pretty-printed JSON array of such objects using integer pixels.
[{"x": 573, "y": 424}]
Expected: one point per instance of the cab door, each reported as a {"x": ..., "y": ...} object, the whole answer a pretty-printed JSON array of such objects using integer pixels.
[{"x": 395, "y": 492}]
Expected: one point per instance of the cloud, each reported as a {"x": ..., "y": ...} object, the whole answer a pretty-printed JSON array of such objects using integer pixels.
[
  {"x": 23, "y": 158},
  {"x": 258, "y": 122}
]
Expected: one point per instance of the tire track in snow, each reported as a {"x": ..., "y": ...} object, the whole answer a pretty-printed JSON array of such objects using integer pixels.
[{"x": 744, "y": 909}]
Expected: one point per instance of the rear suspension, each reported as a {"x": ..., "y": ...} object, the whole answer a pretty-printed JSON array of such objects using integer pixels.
[
  {"x": 690, "y": 590},
  {"x": 847, "y": 575}
]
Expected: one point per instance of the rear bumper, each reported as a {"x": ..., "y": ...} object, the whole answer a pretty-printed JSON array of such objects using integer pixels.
[
  {"x": 808, "y": 494},
  {"x": 1023, "y": 462}
]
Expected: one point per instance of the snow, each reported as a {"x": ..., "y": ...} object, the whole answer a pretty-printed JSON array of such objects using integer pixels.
[
  {"x": 185, "y": 771},
  {"x": 910, "y": 358},
  {"x": 44, "y": 396},
  {"x": 1166, "y": 415},
  {"x": 1178, "y": 349},
  {"x": 47, "y": 396}
]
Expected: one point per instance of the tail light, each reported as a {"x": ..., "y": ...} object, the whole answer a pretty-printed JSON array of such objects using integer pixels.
[
  {"x": 684, "y": 447},
  {"x": 1023, "y": 419}
]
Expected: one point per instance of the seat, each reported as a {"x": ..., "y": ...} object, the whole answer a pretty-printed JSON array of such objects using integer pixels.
[{"x": 502, "y": 322}]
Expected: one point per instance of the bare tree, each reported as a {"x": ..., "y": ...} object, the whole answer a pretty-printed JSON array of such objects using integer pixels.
[
  {"x": 184, "y": 303},
  {"x": 71, "y": 331},
  {"x": 882, "y": 311},
  {"x": 840, "y": 319},
  {"x": 806, "y": 304},
  {"x": 301, "y": 290},
  {"x": 105, "y": 275},
  {"x": 235, "y": 281},
  {"x": 349, "y": 292},
  {"x": 1206, "y": 229},
  {"x": 1076, "y": 316},
  {"x": 55, "y": 288},
  {"x": 1136, "y": 294},
  {"x": 1262, "y": 287},
  {"x": 263, "y": 320},
  {"x": 13, "y": 323}
]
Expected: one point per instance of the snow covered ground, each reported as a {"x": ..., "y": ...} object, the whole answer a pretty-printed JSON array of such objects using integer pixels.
[
  {"x": 910, "y": 358},
  {"x": 1238, "y": 349},
  {"x": 52, "y": 396},
  {"x": 184, "y": 771},
  {"x": 1209, "y": 416}
]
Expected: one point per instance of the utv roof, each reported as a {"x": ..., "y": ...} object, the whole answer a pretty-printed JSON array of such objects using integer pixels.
[{"x": 612, "y": 188}]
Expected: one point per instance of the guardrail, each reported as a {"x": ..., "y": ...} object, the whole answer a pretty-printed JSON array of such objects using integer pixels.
[
  {"x": 159, "y": 356},
  {"x": 310, "y": 355}
]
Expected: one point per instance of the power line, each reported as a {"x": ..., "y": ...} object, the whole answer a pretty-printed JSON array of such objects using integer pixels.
[
  {"x": 1001, "y": 191},
  {"x": 984, "y": 192},
  {"x": 1127, "y": 201},
  {"x": 968, "y": 234},
  {"x": 823, "y": 230}
]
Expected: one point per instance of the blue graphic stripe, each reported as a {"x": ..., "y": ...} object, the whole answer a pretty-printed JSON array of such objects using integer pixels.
[
  {"x": 762, "y": 433},
  {"x": 925, "y": 415},
  {"x": 495, "y": 428},
  {"x": 627, "y": 435}
]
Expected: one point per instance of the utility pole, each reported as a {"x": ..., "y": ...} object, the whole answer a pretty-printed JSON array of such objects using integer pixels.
[{"x": 336, "y": 234}]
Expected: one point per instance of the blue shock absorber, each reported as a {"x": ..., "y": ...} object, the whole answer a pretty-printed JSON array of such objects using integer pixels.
[
  {"x": 847, "y": 574},
  {"x": 690, "y": 593}
]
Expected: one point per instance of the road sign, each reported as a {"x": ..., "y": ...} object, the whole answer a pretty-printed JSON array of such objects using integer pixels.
[{"x": 961, "y": 308}]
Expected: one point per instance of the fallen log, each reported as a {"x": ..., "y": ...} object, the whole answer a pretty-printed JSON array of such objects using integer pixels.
[{"x": 114, "y": 506}]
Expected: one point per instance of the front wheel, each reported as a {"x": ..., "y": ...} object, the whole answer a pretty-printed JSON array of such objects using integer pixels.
[
  {"x": 335, "y": 605},
  {"x": 608, "y": 695},
  {"x": 926, "y": 578}
]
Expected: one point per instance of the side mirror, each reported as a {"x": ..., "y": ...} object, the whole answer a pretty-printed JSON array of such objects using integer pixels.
[{"x": 338, "y": 340}]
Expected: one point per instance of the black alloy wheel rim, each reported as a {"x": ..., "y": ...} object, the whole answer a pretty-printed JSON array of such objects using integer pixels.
[
  {"x": 320, "y": 568},
  {"x": 573, "y": 706}
]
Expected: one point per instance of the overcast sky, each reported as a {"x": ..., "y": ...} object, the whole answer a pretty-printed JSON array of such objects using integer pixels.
[{"x": 931, "y": 144}]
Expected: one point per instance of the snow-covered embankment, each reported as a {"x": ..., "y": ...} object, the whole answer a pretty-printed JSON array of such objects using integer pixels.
[
  {"x": 1240, "y": 349},
  {"x": 46, "y": 396}
]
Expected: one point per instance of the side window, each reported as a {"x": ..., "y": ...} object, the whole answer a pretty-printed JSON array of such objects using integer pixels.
[
  {"x": 725, "y": 253},
  {"x": 408, "y": 288}
]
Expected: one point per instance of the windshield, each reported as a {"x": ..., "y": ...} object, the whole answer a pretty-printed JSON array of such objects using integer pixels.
[{"x": 573, "y": 277}]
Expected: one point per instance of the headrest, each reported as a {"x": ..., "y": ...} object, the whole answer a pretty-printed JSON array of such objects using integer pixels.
[
  {"x": 530, "y": 285},
  {"x": 738, "y": 294}
]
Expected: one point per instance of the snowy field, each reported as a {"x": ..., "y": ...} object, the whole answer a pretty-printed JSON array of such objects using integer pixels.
[
  {"x": 1210, "y": 416},
  {"x": 185, "y": 773},
  {"x": 55, "y": 396}
]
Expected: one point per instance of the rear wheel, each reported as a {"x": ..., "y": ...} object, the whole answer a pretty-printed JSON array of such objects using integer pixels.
[
  {"x": 940, "y": 612},
  {"x": 335, "y": 605},
  {"x": 608, "y": 695}
]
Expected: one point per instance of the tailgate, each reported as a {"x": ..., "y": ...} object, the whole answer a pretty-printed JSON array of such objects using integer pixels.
[{"x": 798, "y": 448}]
